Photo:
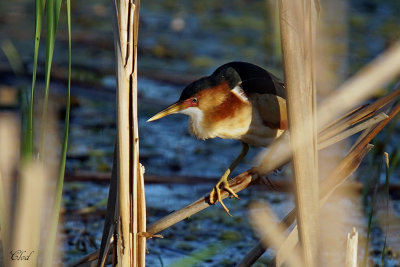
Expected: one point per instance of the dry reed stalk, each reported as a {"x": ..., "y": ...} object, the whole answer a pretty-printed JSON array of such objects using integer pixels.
[
  {"x": 347, "y": 133},
  {"x": 29, "y": 208},
  {"x": 285, "y": 249},
  {"x": 298, "y": 33},
  {"x": 130, "y": 201},
  {"x": 25, "y": 213},
  {"x": 351, "y": 249},
  {"x": 331, "y": 184},
  {"x": 357, "y": 115},
  {"x": 343, "y": 122},
  {"x": 111, "y": 216},
  {"x": 50, "y": 213},
  {"x": 237, "y": 184},
  {"x": 264, "y": 222},
  {"x": 141, "y": 220},
  {"x": 361, "y": 86},
  {"x": 9, "y": 155},
  {"x": 124, "y": 160},
  {"x": 138, "y": 170}
]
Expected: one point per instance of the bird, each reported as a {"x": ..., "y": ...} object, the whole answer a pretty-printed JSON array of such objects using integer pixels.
[{"x": 239, "y": 101}]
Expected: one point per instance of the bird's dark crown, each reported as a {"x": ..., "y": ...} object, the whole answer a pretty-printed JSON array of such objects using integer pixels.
[{"x": 225, "y": 73}]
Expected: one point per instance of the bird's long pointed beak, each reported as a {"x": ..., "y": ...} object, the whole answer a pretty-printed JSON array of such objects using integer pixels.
[{"x": 174, "y": 108}]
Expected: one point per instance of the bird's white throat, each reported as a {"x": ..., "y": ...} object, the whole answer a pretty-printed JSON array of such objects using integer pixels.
[
  {"x": 196, "y": 119},
  {"x": 193, "y": 112}
]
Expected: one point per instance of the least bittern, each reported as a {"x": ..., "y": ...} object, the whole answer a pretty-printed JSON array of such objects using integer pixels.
[{"x": 238, "y": 101}]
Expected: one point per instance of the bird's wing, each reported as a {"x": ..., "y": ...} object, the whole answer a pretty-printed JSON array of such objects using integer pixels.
[
  {"x": 264, "y": 85},
  {"x": 271, "y": 109},
  {"x": 268, "y": 96}
]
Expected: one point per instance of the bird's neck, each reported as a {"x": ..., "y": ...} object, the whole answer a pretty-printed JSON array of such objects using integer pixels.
[{"x": 196, "y": 123}]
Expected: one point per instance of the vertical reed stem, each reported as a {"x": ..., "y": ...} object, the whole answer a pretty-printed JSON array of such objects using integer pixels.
[
  {"x": 130, "y": 174},
  {"x": 298, "y": 29}
]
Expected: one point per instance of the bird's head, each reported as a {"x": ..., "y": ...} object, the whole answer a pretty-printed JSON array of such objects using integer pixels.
[{"x": 202, "y": 95}]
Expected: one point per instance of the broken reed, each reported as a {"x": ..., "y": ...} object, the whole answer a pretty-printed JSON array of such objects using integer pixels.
[{"x": 126, "y": 215}]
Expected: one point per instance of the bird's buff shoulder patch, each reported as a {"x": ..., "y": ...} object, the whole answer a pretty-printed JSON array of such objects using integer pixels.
[{"x": 239, "y": 93}]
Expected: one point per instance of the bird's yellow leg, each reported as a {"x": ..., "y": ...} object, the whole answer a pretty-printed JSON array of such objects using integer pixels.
[{"x": 224, "y": 180}]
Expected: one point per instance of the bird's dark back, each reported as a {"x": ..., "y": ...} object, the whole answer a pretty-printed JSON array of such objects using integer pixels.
[{"x": 254, "y": 78}]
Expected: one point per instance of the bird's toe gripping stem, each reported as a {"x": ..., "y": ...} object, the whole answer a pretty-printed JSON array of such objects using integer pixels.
[{"x": 222, "y": 184}]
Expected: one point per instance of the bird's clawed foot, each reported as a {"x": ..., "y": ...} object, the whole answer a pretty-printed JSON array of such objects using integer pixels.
[{"x": 222, "y": 184}]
